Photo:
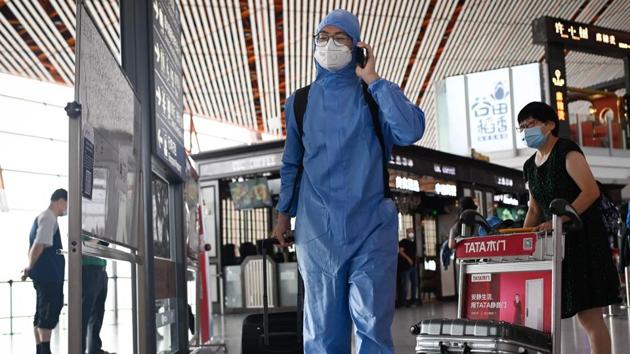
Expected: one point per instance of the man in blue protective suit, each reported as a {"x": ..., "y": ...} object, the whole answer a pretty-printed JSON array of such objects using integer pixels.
[{"x": 332, "y": 180}]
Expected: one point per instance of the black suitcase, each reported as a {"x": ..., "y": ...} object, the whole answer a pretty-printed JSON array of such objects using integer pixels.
[
  {"x": 277, "y": 333},
  {"x": 442, "y": 336}
]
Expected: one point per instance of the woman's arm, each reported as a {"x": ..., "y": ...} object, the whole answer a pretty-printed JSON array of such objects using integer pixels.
[
  {"x": 452, "y": 233},
  {"x": 533, "y": 213},
  {"x": 578, "y": 169}
]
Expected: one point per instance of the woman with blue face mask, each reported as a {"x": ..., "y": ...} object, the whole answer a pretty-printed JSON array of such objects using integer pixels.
[{"x": 559, "y": 169}]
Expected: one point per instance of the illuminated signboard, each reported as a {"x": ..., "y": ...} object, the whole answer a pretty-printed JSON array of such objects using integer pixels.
[
  {"x": 504, "y": 181},
  {"x": 559, "y": 35},
  {"x": 444, "y": 169},
  {"x": 506, "y": 199},
  {"x": 449, "y": 190},
  {"x": 581, "y": 36},
  {"x": 401, "y": 161},
  {"x": 490, "y": 101},
  {"x": 408, "y": 184},
  {"x": 489, "y": 110}
]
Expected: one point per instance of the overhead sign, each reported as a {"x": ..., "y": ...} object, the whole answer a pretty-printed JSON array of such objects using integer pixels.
[
  {"x": 239, "y": 166},
  {"x": 168, "y": 89},
  {"x": 582, "y": 36}
]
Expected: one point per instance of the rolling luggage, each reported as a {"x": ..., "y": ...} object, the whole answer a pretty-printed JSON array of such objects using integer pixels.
[
  {"x": 278, "y": 333},
  {"x": 441, "y": 336}
]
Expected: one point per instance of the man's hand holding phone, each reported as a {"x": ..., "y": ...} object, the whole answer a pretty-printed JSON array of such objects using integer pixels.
[{"x": 368, "y": 71}]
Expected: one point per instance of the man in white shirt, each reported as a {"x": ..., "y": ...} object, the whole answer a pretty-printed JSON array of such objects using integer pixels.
[{"x": 46, "y": 267}]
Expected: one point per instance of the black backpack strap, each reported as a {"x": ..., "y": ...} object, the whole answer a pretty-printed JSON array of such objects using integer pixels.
[
  {"x": 374, "y": 111},
  {"x": 299, "y": 107}
]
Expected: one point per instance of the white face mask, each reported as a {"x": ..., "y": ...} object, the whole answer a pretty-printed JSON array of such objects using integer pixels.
[
  {"x": 410, "y": 235},
  {"x": 333, "y": 57}
]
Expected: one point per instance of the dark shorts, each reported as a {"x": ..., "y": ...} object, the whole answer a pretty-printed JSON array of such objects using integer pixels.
[{"x": 49, "y": 304}]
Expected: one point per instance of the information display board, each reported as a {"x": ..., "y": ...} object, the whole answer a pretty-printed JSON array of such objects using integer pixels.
[
  {"x": 110, "y": 145},
  {"x": 168, "y": 88}
]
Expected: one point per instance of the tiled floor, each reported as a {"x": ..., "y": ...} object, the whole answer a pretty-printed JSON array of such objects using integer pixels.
[
  {"x": 574, "y": 340},
  {"x": 118, "y": 337}
]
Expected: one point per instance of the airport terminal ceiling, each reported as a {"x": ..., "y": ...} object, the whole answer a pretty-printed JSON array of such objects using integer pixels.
[{"x": 242, "y": 58}]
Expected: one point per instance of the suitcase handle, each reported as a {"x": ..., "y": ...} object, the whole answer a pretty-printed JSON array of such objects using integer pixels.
[{"x": 465, "y": 350}]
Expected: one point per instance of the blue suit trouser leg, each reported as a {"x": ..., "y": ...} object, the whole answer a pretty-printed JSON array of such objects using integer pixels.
[
  {"x": 373, "y": 291},
  {"x": 327, "y": 323}
]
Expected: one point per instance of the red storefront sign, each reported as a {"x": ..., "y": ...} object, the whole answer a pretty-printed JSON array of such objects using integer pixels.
[
  {"x": 497, "y": 246},
  {"x": 522, "y": 298}
]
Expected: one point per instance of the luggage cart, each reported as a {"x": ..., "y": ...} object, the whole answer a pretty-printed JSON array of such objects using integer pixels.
[{"x": 480, "y": 259}]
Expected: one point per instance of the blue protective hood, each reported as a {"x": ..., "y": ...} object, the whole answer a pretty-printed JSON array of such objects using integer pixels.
[
  {"x": 349, "y": 23},
  {"x": 345, "y": 20}
]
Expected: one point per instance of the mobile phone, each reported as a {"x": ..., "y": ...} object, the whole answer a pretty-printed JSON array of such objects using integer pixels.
[{"x": 361, "y": 56}]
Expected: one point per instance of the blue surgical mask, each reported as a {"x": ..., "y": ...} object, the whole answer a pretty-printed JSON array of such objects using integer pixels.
[{"x": 534, "y": 137}]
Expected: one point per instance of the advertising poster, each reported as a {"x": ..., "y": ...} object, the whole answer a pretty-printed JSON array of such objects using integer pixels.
[
  {"x": 489, "y": 106},
  {"x": 522, "y": 298},
  {"x": 250, "y": 194}
]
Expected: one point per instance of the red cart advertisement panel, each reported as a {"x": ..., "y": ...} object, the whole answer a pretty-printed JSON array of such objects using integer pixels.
[{"x": 522, "y": 298}]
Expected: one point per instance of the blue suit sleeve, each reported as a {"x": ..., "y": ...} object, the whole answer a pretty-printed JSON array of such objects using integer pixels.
[
  {"x": 628, "y": 217},
  {"x": 290, "y": 172},
  {"x": 402, "y": 121}
]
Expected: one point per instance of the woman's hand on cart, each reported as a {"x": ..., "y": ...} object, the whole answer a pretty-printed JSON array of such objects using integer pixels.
[{"x": 545, "y": 226}]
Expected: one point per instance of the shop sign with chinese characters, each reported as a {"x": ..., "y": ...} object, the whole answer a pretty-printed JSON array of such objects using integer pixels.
[
  {"x": 582, "y": 36},
  {"x": 558, "y": 82}
]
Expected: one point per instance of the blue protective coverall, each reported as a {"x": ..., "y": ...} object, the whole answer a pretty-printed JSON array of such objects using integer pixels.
[{"x": 346, "y": 230}]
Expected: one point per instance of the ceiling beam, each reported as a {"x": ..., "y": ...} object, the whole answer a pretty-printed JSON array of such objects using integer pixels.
[
  {"x": 416, "y": 47},
  {"x": 251, "y": 62},
  {"x": 440, "y": 49},
  {"x": 612, "y": 85},
  {"x": 282, "y": 87},
  {"x": 59, "y": 24},
  {"x": 30, "y": 42}
]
